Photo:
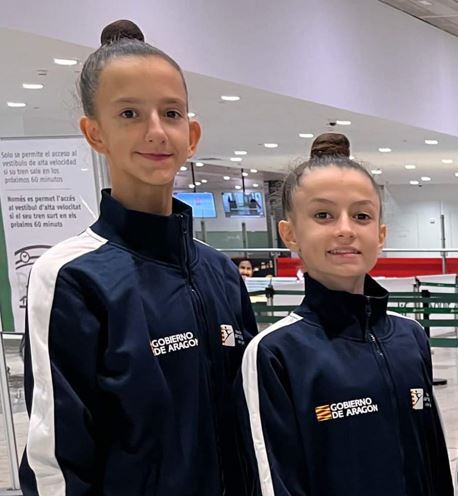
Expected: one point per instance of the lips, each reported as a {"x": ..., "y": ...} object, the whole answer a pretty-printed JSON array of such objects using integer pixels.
[
  {"x": 344, "y": 251},
  {"x": 158, "y": 157}
]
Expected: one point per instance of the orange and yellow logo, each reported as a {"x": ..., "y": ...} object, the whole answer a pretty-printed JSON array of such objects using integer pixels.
[{"x": 323, "y": 413}]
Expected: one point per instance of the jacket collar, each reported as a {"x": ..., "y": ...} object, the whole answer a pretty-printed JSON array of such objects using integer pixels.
[
  {"x": 345, "y": 314},
  {"x": 165, "y": 238}
]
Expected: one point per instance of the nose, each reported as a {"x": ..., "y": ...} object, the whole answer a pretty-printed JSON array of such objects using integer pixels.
[
  {"x": 345, "y": 228},
  {"x": 155, "y": 132}
]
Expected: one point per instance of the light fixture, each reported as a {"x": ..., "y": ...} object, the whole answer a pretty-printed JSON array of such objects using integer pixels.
[
  {"x": 245, "y": 174},
  {"x": 447, "y": 161},
  {"x": 351, "y": 157},
  {"x": 230, "y": 98},
  {"x": 376, "y": 171},
  {"x": 191, "y": 186},
  {"x": 235, "y": 159},
  {"x": 198, "y": 183},
  {"x": 238, "y": 187},
  {"x": 384, "y": 150},
  {"x": 199, "y": 164},
  {"x": 204, "y": 181},
  {"x": 271, "y": 145},
  {"x": 226, "y": 178},
  {"x": 343, "y": 123},
  {"x": 410, "y": 166},
  {"x": 254, "y": 171},
  {"x": 456, "y": 174},
  {"x": 191, "y": 115},
  {"x": 424, "y": 2},
  {"x": 425, "y": 178},
  {"x": 65, "y": 62},
  {"x": 32, "y": 86},
  {"x": 414, "y": 183},
  {"x": 431, "y": 142},
  {"x": 183, "y": 168},
  {"x": 255, "y": 185},
  {"x": 305, "y": 135},
  {"x": 16, "y": 104},
  {"x": 240, "y": 152},
  {"x": 84, "y": 169}
]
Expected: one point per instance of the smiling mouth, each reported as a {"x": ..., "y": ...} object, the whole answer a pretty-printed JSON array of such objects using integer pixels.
[
  {"x": 344, "y": 251},
  {"x": 155, "y": 156}
]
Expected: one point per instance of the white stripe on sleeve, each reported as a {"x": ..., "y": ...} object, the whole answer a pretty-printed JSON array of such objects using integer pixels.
[
  {"x": 41, "y": 436},
  {"x": 251, "y": 391}
]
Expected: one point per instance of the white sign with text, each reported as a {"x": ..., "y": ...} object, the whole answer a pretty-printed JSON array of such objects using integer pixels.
[{"x": 47, "y": 194}]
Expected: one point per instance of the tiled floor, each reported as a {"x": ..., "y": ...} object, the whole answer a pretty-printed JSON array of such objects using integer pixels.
[{"x": 445, "y": 366}]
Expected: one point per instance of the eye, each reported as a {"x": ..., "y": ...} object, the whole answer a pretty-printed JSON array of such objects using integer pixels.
[
  {"x": 322, "y": 216},
  {"x": 362, "y": 216},
  {"x": 129, "y": 114},
  {"x": 173, "y": 114}
]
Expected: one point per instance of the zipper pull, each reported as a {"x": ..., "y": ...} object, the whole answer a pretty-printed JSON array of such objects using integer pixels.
[{"x": 376, "y": 345}]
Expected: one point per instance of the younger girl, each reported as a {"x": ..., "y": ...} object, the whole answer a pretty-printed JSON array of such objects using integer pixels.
[
  {"x": 136, "y": 331},
  {"x": 339, "y": 394}
]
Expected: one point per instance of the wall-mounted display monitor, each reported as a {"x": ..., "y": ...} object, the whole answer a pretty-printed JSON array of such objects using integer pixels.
[
  {"x": 203, "y": 204},
  {"x": 237, "y": 203}
]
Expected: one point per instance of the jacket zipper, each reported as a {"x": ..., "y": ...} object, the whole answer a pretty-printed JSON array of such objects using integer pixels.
[
  {"x": 209, "y": 364},
  {"x": 371, "y": 338}
]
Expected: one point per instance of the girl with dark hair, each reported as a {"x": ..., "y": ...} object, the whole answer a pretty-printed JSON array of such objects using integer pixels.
[
  {"x": 135, "y": 330},
  {"x": 338, "y": 397}
]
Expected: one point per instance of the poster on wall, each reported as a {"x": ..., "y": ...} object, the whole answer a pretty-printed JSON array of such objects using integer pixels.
[{"x": 47, "y": 194}]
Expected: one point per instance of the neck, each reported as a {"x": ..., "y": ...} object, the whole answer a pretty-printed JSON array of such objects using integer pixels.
[{"x": 149, "y": 199}]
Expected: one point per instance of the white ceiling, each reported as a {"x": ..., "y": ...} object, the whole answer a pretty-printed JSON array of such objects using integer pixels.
[
  {"x": 442, "y": 14},
  {"x": 257, "y": 118}
]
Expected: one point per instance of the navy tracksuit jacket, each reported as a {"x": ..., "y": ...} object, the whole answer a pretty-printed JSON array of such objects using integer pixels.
[
  {"x": 135, "y": 332},
  {"x": 338, "y": 401}
]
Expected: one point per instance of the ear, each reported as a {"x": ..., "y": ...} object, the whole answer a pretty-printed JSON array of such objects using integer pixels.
[
  {"x": 381, "y": 236},
  {"x": 195, "y": 132},
  {"x": 91, "y": 130},
  {"x": 288, "y": 235}
]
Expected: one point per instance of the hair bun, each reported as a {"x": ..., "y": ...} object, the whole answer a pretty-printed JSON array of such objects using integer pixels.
[
  {"x": 330, "y": 144},
  {"x": 119, "y": 30}
]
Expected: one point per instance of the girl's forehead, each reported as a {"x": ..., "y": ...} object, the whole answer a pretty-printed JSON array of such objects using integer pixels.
[
  {"x": 137, "y": 71},
  {"x": 341, "y": 186},
  {"x": 336, "y": 179}
]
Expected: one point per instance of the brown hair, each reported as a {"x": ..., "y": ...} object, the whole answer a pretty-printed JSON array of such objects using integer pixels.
[
  {"x": 121, "y": 38},
  {"x": 327, "y": 144}
]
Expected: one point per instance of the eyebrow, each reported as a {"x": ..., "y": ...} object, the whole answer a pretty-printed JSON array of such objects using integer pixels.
[
  {"x": 358, "y": 203},
  {"x": 167, "y": 101}
]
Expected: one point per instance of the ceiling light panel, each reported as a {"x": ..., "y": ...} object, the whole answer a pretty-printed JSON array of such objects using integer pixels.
[
  {"x": 67, "y": 62},
  {"x": 32, "y": 86}
]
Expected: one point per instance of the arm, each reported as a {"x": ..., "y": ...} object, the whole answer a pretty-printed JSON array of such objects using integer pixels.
[
  {"x": 440, "y": 466},
  {"x": 60, "y": 385},
  {"x": 269, "y": 422}
]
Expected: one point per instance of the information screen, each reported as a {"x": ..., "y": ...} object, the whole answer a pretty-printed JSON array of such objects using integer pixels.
[
  {"x": 236, "y": 203},
  {"x": 202, "y": 204}
]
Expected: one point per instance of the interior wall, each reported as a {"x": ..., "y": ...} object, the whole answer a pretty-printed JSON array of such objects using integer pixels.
[{"x": 412, "y": 215}]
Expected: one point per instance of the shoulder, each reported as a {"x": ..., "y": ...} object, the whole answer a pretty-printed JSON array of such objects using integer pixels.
[
  {"x": 401, "y": 322},
  {"x": 208, "y": 254},
  {"x": 273, "y": 334},
  {"x": 405, "y": 322},
  {"x": 52, "y": 261}
]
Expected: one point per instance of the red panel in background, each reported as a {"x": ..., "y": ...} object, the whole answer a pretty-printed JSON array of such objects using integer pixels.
[
  {"x": 405, "y": 267},
  {"x": 388, "y": 267},
  {"x": 288, "y": 267}
]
